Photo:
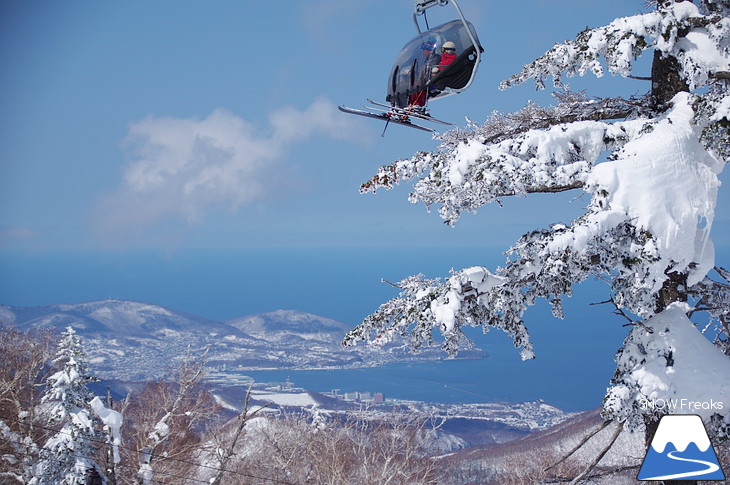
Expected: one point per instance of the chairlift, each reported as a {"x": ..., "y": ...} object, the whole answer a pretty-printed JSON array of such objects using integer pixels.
[{"x": 438, "y": 62}]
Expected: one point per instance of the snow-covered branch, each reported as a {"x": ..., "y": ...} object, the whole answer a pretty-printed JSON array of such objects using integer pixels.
[
  {"x": 714, "y": 298},
  {"x": 510, "y": 134},
  {"x": 676, "y": 29},
  {"x": 571, "y": 106},
  {"x": 112, "y": 421},
  {"x": 464, "y": 175}
]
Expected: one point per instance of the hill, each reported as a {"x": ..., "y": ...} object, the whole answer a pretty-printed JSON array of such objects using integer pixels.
[
  {"x": 525, "y": 459},
  {"x": 130, "y": 340}
]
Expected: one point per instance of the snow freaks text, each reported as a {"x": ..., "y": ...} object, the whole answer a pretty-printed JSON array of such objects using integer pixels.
[{"x": 680, "y": 405}]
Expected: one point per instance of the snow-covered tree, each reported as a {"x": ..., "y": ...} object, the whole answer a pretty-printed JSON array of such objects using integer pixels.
[
  {"x": 23, "y": 369},
  {"x": 68, "y": 457},
  {"x": 650, "y": 167}
]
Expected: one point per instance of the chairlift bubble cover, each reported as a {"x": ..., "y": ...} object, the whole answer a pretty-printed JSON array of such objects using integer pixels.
[{"x": 418, "y": 67}]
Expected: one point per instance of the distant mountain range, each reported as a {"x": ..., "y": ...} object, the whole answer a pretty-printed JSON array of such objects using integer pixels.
[{"x": 130, "y": 340}]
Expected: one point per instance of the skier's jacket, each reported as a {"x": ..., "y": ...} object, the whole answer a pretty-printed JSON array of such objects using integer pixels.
[{"x": 446, "y": 59}]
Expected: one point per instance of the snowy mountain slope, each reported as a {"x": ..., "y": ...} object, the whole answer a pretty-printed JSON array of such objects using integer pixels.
[
  {"x": 130, "y": 340},
  {"x": 133, "y": 340},
  {"x": 287, "y": 325},
  {"x": 528, "y": 457},
  {"x": 114, "y": 319}
]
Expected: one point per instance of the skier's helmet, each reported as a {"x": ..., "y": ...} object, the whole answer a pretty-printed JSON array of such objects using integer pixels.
[{"x": 428, "y": 44}]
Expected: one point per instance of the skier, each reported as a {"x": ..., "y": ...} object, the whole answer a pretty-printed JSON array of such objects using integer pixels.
[
  {"x": 418, "y": 100},
  {"x": 448, "y": 55}
]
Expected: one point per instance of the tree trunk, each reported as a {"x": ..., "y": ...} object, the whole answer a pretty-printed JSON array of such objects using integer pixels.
[
  {"x": 665, "y": 78},
  {"x": 672, "y": 291},
  {"x": 666, "y": 82}
]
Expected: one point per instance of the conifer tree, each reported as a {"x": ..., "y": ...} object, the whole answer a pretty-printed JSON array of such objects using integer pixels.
[
  {"x": 649, "y": 167},
  {"x": 67, "y": 458}
]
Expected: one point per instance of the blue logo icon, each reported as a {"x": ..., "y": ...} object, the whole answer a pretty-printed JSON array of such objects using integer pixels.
[{"x": 681, "y": 450}]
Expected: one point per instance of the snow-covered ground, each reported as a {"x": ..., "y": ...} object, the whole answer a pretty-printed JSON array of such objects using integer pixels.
[{"x": 290, "y": 399}]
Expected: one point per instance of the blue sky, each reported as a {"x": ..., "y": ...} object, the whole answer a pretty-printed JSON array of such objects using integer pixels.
[
  {"x": 101, "y": 103},
  {"x": 139, "y": 135}
]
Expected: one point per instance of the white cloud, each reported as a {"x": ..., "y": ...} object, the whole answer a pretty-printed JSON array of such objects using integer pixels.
[
  {"x": 292, "y": 125},
  {"x": 186, "y": 168}
]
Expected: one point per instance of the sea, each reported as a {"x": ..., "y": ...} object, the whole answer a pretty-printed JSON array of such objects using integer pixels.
[{"x": 452, "y": 381}]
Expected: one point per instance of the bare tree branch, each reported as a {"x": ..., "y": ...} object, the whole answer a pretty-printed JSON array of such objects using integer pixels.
[
  {"x": 580, "y": 444},
  {"x": 227, "y": 453},
  {"x": 572, "y": 107},
  {"x": 598, "y": 458}
]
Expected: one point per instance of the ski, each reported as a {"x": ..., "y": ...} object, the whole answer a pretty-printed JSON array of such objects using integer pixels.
[
  {"x": 385, "y": 116},
  {"x": 376, "y": 103},
  {"x": 403, "y": 111}
]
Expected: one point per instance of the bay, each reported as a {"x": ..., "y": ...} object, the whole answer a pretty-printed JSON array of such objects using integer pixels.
[{"x": 498, "y": 378}]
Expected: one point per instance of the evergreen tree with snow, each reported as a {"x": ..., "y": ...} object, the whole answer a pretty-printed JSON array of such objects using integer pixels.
[
  {"x": 68, "y": 455},
  {"x": 650, "y": 168}
]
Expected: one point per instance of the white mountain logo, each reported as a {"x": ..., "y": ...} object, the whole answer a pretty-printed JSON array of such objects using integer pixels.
[{"x": 681, "y": 450}]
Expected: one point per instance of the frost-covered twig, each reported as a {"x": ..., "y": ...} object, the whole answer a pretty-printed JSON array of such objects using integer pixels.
[
  {"x": 617, "y": 310},
  {"x": 571, "y": 107}
]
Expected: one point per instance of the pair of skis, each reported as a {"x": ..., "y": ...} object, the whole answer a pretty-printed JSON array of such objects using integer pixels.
[{"x": 393, "y": 114}]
